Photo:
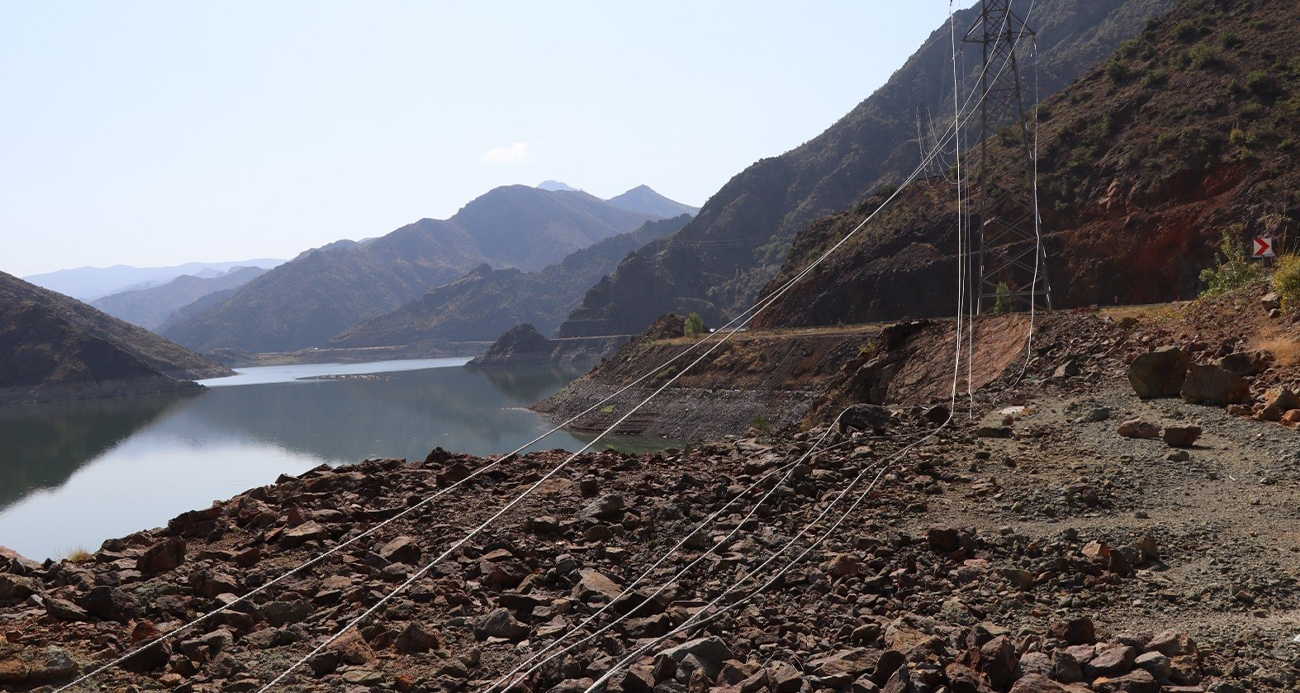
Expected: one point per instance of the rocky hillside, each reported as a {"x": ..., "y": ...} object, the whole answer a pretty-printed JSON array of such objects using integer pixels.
[
  {"x": 1184, "y": 133},
  {"x": 53, "y": 347},
  {"x": 644, "y": 199},
  {"x": 150, "y": 308},
  {"x": 486, "y": 302},
  {"x": 772, "y": 379},
  {"x": 325, "y": 291},
  {"x": 741, "y": 236}
]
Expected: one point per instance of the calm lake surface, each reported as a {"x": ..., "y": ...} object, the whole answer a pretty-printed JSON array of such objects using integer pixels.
[{"x": 73, "y": 474}]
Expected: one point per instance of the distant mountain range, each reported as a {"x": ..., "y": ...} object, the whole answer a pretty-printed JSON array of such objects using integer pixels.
[
  {"x": 486, "y": 302},
  {"x": 719, "y": 262},
  {"x": 55, "y": 347},
  {"x": 150, "y": 308},
  {"x": 90, "y": 283},
  {"x": 322, "y": 292}
]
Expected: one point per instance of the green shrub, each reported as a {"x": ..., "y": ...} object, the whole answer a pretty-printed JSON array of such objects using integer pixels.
[
  {"x": 1186, "y": 31},
  {"x": 1002, "y": 304},
  {"x": 694, "y": 325},
  {"x": 1231, "y": 41},
  {"x": 1116, "y": 71},
  {"x": 1202, "y": 57},
  {"x": 1235, "y": 270},
  {"x": 1155, "y": 78},
  {"x": 1286, "y": 280},
  {"x": 761, "y": 425},
  {"x": 1262, "y": 83},
  {"x": 1130, "y": 48}
]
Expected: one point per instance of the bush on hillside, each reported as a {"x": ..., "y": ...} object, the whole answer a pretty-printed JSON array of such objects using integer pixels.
[
  {"x": 694, "y": 325},
  {"x": 1117, "y": 71},
  {"x": 1286, "y": 281},
  {"x": 1235, "y": 270},
  {"x": 1262, "y": 83},
  {"x": 1201, "y": 57}
]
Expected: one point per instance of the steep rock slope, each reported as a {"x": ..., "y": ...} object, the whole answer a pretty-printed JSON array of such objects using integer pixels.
[
  {"x": 486, "y": 302},
  {"x": 55, "y": 347},
  {"x": 150, "y": 308},
  {"x": 643, "y": 198},
  {"x": 742, "y": 234},
  {"x": 1182, "y": 135},
  {"x": 322, "y": 292}
]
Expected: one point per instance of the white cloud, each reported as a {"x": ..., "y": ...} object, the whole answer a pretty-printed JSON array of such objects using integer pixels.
[{"x": 516, "y": 153}]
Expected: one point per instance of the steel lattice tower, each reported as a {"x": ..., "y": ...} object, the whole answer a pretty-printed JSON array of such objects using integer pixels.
[{"x": 1006, "y": 224}]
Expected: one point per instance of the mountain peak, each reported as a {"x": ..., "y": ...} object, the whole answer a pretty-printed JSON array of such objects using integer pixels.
[
  {"x": 644, "y": 199},
  {"x": 555, "y": 185}
]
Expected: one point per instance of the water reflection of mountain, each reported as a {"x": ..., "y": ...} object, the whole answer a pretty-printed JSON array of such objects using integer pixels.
[
  {"x": 41, "y": 445},
  {"x": 396, "y": 415}
]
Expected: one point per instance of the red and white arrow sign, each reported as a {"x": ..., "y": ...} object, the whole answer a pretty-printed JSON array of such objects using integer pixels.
[{"x": 1264, "y": 247}]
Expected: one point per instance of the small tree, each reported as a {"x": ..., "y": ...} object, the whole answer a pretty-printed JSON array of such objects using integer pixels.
[
  {"x": 1002, "y": 305},
  {"x": 1235, "y": 270},
  {"x": 694, "y": 325}
]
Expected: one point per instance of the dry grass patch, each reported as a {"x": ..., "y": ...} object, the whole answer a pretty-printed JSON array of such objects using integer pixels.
[{"x": 1284, "y": 347}]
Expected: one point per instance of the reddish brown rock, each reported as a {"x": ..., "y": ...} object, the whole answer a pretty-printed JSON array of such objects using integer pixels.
[
  {"x": 161, "y": 557},
  {"x": 1182, "y": 436}
]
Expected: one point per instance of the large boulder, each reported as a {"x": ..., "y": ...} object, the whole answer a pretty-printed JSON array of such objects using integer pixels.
[
  {"x": 499, "y": 623},
  {"x": 1244, "y": 362},
  {"x": 1214, "y": 386},
  {"x": 864, "y": 417},
  {"x": 1159, "y": 373},
  {"x": 26, "y": 666},
  {"x": 162, "y": 557}
]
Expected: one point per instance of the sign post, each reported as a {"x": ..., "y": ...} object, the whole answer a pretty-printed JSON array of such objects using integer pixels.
[{"x": 1263, "y": 248}]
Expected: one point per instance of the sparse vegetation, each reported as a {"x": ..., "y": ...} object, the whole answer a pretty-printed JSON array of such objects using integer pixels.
[
  {"x": 761, "y": 425},
  {"x": 869, "y": 350},
  {"x": 1155, "y": 78},
  {"x": 694, "y": 325},
  {"x": 78, "y": 555},
  {"x": 1286, "y": 281},
  {"x": 1235, "y": 270}
]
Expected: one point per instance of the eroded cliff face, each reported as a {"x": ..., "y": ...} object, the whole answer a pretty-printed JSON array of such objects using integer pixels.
[{"x": 1144, "y": 164}]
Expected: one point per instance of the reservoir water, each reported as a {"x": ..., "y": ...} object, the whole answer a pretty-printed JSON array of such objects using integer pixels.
[{"x": 73, "y": 474}]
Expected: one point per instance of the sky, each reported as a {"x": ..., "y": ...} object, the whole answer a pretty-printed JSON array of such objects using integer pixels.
[{"x": 158, "y": 133}]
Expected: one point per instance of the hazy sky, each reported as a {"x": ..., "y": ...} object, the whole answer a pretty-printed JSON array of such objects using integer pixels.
[{"x": 156, "y": 133}]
